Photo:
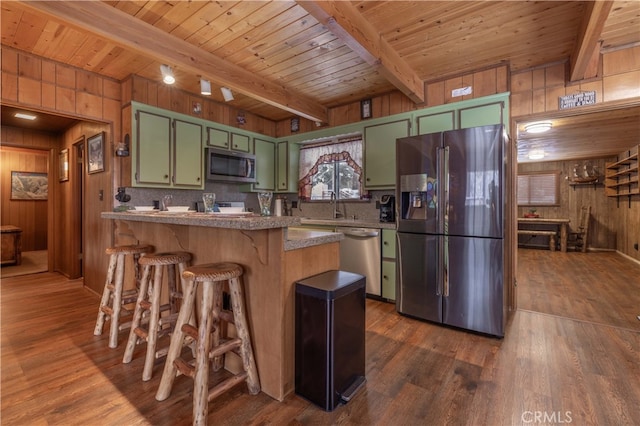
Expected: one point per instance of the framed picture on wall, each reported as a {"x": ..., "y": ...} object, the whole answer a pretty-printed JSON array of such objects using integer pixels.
[
  {"x": 63, "y": 165},
  {"x": 365, "y": 108},
  {"x": 29, "y": 186},
  {"x": 95, "y": 153}
]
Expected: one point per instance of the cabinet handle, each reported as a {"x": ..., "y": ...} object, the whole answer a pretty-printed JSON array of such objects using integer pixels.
[
  {"x": 197, "y": 179},
  {"x": 386, "y": 243},
  {"x": 166, "y": 176},
  {"x": 368, "y": 179},
  {"x": 385, "y": 277}
]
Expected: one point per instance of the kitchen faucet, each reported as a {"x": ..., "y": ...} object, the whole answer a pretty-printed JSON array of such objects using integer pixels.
[{"x": 334, "y": 202}]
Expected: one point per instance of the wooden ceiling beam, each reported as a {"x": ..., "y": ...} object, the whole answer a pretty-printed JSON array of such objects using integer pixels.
[
  {"x": 126, "y": 31},
  {"x": 588, "y": 44},
  {"x": 347, "y": 23}
]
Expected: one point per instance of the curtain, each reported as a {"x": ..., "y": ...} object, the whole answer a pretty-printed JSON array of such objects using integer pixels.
[{"x": 313, "y": 156}]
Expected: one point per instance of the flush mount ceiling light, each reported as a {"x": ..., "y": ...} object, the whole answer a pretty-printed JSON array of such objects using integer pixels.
[
  {"x": 167, "y": 74},
  {"x": 540, "y": 127},
  {"x": 25, "y": 116},
  {"x": 205, "y": 87},
  {"x": 536, "y": 154},
  {"x": 226, "y": 94}
]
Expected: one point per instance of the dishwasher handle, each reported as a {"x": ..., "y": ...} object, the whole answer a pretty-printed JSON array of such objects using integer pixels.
[{"x": 360, "y": 232}]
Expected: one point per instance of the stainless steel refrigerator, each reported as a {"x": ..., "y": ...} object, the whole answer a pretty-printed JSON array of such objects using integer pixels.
[{"x": 450, "y": 200}]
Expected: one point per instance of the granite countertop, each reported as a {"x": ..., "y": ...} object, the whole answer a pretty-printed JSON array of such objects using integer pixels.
[
  {"x": 297, "y": 238},
  {"x": 359, "y": 223},
  {"x": 245, "y": 222}
]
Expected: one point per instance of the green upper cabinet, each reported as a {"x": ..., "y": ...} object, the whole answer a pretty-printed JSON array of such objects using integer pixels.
[
  {"x": 481, "y": 115},
  {"x": 437, "y": 122},
  {"x": 223, "y": 139},
  {"x": 288, "y": 157},
  {"x": 380, "y": 153},
  {"x": 240, "y": 142},
  {"x": 265, "y": 152},
  {"x": 168, "y": 151},
  {"x": 188, "y": 153},
  {"x": 152, "y": 149},
  {"x": 217, "y": 138}
]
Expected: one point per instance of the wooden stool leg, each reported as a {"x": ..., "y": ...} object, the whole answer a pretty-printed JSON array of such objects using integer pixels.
[
  {"x": 137, "y": 315},
  {"x": 106, "y": 294},
  {"x": 552, "y": 243},
  {"x": 218, "y": 361},
  {"x": 242, "y": 328},
  {"x": 203, "y": 346},
  {"x": 186, "y": 312},
  {"x": 154, "y": 319},
  {"x": 117, "y": 302}
]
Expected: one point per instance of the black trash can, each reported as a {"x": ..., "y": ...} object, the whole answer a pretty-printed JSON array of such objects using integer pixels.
[{"x": 330, "y": 337}]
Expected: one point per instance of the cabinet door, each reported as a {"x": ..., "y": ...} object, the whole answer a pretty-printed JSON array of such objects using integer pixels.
[
  {"x": 187, "y": 148},
  {"x": 265, "y": 152},
  {"x": 389, "y": 243},
  {"x": 481, "y": 115},
  {"x": 380, "y": 153},
  {"x": 153, "y": 149},
  {"x": 218, "y": 138},
  {"x": 440, "y": 122},
  {"x": 287, "y": 160},
  {"x": 239, "y": 142},
  {"x": 389, "y": 279}
]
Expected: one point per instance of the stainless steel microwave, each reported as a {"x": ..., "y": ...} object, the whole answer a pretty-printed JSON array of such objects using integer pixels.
[{"x": 230, "y": 166}]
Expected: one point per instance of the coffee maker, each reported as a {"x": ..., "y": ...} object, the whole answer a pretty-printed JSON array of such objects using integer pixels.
[{"x": 388, "y": 208}]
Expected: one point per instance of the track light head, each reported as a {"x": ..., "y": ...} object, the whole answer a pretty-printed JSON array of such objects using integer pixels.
[{"x": 167, "y": 74}]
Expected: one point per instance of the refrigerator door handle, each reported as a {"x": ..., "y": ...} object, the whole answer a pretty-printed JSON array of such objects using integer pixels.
[
  {"x": 445, "y": 266},
  {"x": 445, "y": 171}
]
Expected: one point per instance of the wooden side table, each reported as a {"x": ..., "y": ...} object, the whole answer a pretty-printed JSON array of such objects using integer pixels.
[{"x": 11, "y": 245}]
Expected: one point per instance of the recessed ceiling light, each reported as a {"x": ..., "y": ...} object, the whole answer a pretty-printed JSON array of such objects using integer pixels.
[
  {"x": 536, "y": 154},
  {"x": 540, "y": 127},
  {"x": 205, "y": 87},
  {"x": 25, "y": 116}
]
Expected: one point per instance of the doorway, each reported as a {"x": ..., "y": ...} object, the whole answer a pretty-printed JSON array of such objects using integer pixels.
[{"x": 78, "y": 208}]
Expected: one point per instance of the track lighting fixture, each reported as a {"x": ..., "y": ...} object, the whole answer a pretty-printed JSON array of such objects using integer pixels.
[
  {"x": 167, "y": 74},
  {"x": 226, "y": 94},
  {"x": 205, "y": 87}
]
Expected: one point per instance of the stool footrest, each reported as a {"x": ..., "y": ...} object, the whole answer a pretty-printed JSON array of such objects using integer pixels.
[
  {"x": 141, "y": 333},
  {"x": 171, "y": 319},
  {"x": 227, "y": 316},
  {"x": 224, "y": 386},
  {"x": 184, "y": 367},
  {"x": 224, "y": 347},
  {"x": 190, "y": 331},
  {"x": 107, "y": 310}
]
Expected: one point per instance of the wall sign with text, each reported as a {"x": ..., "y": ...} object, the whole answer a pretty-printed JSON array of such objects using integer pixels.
[{"x": 577, "y": 100}]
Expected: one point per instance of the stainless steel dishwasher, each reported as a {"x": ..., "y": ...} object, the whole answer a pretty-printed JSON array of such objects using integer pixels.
[{"x": 360, "y": 253}]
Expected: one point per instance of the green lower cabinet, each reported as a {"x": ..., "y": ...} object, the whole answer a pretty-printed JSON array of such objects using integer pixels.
[{"x": 389, "y": 279}]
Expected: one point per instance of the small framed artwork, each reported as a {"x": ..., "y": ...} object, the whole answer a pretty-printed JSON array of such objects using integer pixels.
[
  {"x": 295, "y": 124},
  {"x": 365, "y": 108},
  {"x": 95, "y": 153},
  {"x": 63, "y": 165}
]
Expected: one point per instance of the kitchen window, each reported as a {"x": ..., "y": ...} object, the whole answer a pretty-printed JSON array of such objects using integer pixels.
[
  {"x": 331, "y": 170},
  {"x": 538, "y": 189}
]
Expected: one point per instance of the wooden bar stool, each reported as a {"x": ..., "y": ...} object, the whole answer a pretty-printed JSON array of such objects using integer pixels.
[
  {"x": 149, "y": 323},
  {"x": 209, "y": 343},
  {"x": 114, "y": 296}
]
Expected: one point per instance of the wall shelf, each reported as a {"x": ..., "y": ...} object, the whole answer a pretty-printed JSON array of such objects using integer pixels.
[{"x": 621, "y": 177}]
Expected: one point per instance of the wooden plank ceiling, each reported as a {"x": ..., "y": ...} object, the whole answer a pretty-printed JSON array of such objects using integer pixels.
[{"x": 287, "y": 58}]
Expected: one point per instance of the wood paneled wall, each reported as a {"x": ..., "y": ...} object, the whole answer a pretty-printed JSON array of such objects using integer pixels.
[
  {"x": 484, "y": 82},
  {"x": 615, "y": 223},
  {"x": 30, "y": 215},
  {"x": 45, "y": 85},
  {"x": 160, "y": 95},
  {"x": 537, "y": 90}
]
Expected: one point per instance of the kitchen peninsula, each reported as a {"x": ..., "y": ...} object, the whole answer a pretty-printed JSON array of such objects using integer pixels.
[{"x": 273, "y": 257}]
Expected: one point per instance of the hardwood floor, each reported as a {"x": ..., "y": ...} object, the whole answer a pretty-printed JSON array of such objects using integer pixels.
[{"x": 562, "y": 360}]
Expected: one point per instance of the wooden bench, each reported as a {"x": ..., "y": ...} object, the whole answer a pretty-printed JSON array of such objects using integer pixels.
[{"x": 533, "y": 233}]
